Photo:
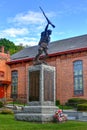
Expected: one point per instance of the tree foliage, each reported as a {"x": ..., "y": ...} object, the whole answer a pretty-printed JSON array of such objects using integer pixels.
[{"x": 10, "y": 46}]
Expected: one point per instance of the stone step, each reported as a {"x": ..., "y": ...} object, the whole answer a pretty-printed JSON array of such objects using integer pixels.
[
  {"x": 34, "y": 117},
  {"x": 38, "y": 109}
]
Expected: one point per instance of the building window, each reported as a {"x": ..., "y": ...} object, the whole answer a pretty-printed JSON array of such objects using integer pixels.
[
  {"x": 14, "y": 76},
  {"x": 78, "y": 77}
]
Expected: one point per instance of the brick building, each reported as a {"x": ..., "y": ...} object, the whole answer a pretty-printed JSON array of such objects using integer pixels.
[
  {"x": 5, "y": 76},
  {"x": 69, "y": 56}
]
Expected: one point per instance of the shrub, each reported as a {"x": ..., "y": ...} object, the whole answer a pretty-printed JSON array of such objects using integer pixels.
[
  {"x": 57, "y": 102},
  {"x": 75, "y": 101},
  {"x": 82, "y": 107},
  {"x": 6, "y": 111},
  {"x": 1, "y": 104}
]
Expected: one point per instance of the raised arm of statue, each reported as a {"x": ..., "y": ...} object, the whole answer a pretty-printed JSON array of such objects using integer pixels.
[{"x": 46, "y": 28}]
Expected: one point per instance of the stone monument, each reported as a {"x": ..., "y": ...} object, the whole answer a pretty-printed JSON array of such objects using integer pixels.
[
  {"x": 41, "y": 85},
  {"x": 41, "y": 95}
]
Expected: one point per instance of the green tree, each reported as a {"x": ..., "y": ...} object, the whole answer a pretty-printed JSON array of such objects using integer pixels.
[{"x": 10, "y": 46}]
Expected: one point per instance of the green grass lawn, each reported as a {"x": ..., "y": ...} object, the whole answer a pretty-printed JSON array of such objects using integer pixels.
[{"x": 7, "y": 122}]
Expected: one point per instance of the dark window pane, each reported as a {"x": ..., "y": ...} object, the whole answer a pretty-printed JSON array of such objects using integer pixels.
[
  {"x": 14, "y": 75},
  {"x": 78, "y": 78}
]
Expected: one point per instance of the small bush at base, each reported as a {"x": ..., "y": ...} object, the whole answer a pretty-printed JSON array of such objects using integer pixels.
[
  {"x": 1, "y": 104},
  {"x": 57, "y": 102},
  {"x": 82, "y": 107},
  {"x": 6, "y": 111},
  {"x": 75, "y": 101}
]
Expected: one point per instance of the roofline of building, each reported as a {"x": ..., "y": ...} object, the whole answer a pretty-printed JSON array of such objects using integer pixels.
[{"x": 50, "y": 55}]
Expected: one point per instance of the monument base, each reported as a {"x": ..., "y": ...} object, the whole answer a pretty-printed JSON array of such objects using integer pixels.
[
  {"x": 41, "y": 95},
  {"x": 37, "y": 114}
]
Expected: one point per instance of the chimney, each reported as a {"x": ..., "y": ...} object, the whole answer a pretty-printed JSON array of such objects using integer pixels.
[{"x": 2, "y": 49}]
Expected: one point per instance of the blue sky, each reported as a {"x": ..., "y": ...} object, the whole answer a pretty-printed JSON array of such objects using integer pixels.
[{"x": 21, "y": 21}]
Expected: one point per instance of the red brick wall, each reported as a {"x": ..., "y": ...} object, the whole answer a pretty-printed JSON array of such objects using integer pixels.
[
  {"x": 3, "y": 66},
  {"x": 21, "y": 76},
  {"x": 64, "y": 75}
]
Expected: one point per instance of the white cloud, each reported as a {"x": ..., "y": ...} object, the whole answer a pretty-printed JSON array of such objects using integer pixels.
[
  {"x": 13, "y": 32},
  {"x": 25, "y": 28},
  {"x": 26, "y": 41},
  {"x": 28, "y": 18}
]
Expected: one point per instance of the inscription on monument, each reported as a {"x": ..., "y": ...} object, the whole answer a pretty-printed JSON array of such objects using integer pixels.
[
  {"x": 48, "y": 85},
  {"x": 34, "y": 85}
]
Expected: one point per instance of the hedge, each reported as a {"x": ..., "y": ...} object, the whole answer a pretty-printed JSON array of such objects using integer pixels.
[
  {"x": 75, "y": 101},
  {"x": 57, "y": 102},
  {"x": 82, "y": 107},
  {"x": 1, "y": 104}
]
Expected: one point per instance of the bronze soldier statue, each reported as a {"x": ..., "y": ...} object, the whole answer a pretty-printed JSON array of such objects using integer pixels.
[{"x": 44, "y": 42}]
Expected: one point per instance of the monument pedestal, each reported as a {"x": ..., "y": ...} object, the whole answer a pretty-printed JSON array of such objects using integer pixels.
[{"x": 41, "y": 95}]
